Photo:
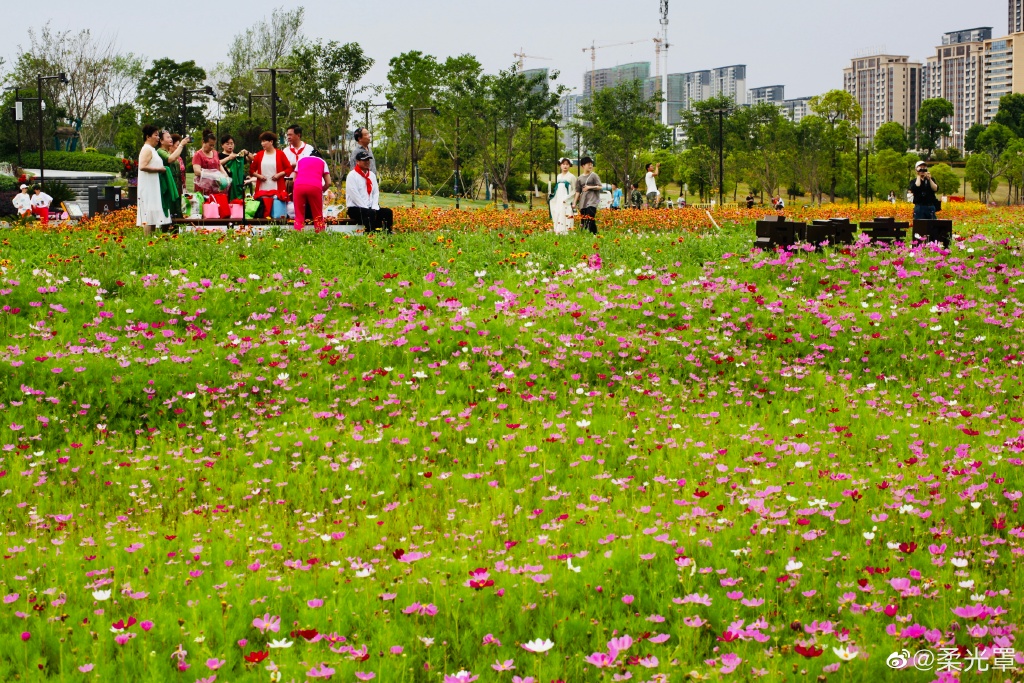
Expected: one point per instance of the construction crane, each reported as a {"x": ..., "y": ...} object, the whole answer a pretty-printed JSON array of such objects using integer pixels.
[
  {"x": 521, "y": 55},
  {"x": 593, "y": 56},
  {"x": 661, "y": 44}
]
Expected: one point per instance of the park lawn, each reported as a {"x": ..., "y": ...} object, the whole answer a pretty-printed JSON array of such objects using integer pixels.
[{"x": 439, "y": 454}]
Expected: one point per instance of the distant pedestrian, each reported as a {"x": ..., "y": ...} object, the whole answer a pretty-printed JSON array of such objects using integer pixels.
[
  {"x": 150, "y": 212},
  {"x": 588, "y": 194},
  {"x": 652, "y": 185},
  {"x": 23, "y": 203},
  {"x": 562, "y": 196},
  {"x": 892, "y": 197},
  {"x": 616, "y": 197},
  {"x": 41, "y": 205},
  {"x": 750, "y": 200},
  {"x": 362, "y": 138},
  {"x": 636, "y": 198},
  {"x": 311, "y": 179}
]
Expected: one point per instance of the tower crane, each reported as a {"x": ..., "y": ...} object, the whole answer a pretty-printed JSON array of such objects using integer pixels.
[{"x": 521, "y": 55}]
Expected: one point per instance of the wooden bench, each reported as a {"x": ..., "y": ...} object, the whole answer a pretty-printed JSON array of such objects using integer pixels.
[
  {"x": 886, "y": 229},
  {"x": 259, "y": 226},
  {"x": 832, "y": 230},
  {"x": 776, "y": 231},
  {"x": 934, "y": 231}
]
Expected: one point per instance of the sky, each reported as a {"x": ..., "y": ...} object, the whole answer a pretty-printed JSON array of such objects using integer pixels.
[{"x": 801, "y": 44}]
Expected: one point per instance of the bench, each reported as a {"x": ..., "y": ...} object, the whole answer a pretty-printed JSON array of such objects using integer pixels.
[
  {"x": 934, "y": 231},
  {"x": 258, "y": 226},
  {"x": 776, "y": 231},
  {"x": 886, "y": 229},
  {"x": 832, "y": 230}
]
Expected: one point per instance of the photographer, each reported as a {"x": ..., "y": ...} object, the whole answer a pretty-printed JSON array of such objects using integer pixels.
[{"x": 923, "y": 188}]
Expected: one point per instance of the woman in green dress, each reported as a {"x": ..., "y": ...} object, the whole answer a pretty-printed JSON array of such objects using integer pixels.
[
  {"x": 236, "y": 165},
  {"x": 170, "y": 196}
]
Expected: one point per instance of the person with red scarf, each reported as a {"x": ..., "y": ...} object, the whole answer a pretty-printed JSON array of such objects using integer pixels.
[
  {"x": 362, "y": 196},
  {"x": 270, "y": 167}
]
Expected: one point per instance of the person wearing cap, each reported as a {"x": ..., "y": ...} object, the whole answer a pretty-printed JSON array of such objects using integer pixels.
[
  {"x": 923, "y": 189},
  {"x": 23, "y": 203},
  {"x": 362, "y": 196},
  {"x": 562, "y": 198},
  {"x": 588, "y": 194},
  {"x": 362, "y": 138},
  {"x": 41, "y": 205}
]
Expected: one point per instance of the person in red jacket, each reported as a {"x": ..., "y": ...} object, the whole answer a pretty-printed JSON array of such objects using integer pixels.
[{"x": 270, "y": 167}]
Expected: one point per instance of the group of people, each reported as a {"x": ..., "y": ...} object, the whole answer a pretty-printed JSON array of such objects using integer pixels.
[
  {"x": 571, "y": 195},
  {"x": 37, "y": 204},
  {"x": 294, "y": 174}
]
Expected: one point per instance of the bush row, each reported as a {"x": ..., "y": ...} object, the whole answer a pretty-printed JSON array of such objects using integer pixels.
[{"x": 72, "y": 161}]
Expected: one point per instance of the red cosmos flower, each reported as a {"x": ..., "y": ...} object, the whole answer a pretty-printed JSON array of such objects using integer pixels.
[
  {"x": 397, "y": 554},
  {"x": 728, "y": 637},
  {"x": 256, "y": 656},
  {"x": 479, "y": 585},
  {"x": 307, "y": 633},
  {"x": 809, "y": 652},
  {"x": 908, "y": 547},
  {"x": 121, "y": 624}
]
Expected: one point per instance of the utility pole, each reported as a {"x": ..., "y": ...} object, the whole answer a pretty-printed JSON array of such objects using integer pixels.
[
  {"x": 858, "y": 170},
  {"x": 412, "y": 147},
  {"x": 273, "y": 71},
  {"x": 457, "y": 162},
  {"x": 185, "y": 92},
  {"x": 39, "y": 92}
]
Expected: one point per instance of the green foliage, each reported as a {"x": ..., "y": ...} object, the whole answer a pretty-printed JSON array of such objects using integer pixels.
[
  {"x": 8, "y": 182},
  {"x": 994, "y": 139},
  {"x": 931, "y": 123},
  {"x": 971, "y": 138},
  {"x": 839, "y": 110},
  {"x": 893, "y": 136},
  {"x": 983, "y": 175},
  {"x": 59, "y": 191},
  {"x": 160, "y": 94},
  {"x": 892, "y": 172},
  {"x": 946, "y": 178},
  {"x": 1011, "y": 113},
  {"x": 617, "y": 122},
  {"x": 74, "y": 161}
]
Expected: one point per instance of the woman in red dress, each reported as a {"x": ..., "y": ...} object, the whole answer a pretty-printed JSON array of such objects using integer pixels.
[{"x": 270, "y": 167}]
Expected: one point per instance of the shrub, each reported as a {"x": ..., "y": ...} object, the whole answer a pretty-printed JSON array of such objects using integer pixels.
[
  {"x": 8, "y": 182},
  {"x": 59, "y": 191},
  {"x": 75, "y": 161},
  {"x": 7, "y": 203}
]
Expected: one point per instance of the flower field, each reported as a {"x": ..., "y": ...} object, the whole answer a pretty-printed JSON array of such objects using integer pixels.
[{"x": 475, "y": 451}]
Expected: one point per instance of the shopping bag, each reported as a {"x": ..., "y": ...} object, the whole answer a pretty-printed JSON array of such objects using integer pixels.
[
  {"x": 237, "y": 209},
  {"x": 253, "y": 208},
  {"x": 279, "y": 210},
  {"x": 212, "y": 181},
  {"x": 211, "y": 210}
]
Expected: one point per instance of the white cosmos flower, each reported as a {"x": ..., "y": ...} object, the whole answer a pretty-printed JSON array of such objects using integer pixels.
[
  {"x": 276, "y": 644},
  {"x": 844, "y": 653},
  {"x": 470, "y": 440},
  {"x": 282, "y": 376},
  {"x": 364, "y": 573},
  {"x": 571, "y": 567},
  {"x": 479, "y": 273},
  {"x": 868, "y": 535},
  {"x": 101, "y": 595},
  {"x": 793, "y": 565},
  {"x": 538, "y": 645},
  {"x": 958, "y": 562},
  {"x": 583, "y": 423}
]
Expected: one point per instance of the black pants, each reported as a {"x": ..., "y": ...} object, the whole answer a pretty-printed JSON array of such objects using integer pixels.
[
  {"x": 372, "y": 219},
  {"x": 385, "y": 219},
  {"x": 588, "y": 222}
]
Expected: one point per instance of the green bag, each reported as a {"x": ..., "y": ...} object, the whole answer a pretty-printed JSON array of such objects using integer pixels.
[{"x": 252, "y": 207}]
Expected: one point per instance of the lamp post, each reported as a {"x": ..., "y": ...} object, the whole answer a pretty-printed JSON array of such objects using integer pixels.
[
  {"x": 412, "y": 147},
  {"x": 185, "y": 92},
  {"x": 457, "y": 163},
  {"x": 18, "y": 112},
  {"x": 721, "y": 149},
  {"x": 250, "y": 142},
  {"x": 273, "y": 71},
  {"x": 366, "y": 107},
  {"x": 62, "y": 77},
  {"x": 858, "y": 169}
]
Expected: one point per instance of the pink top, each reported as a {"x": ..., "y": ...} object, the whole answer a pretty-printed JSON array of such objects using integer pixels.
[
  {"x": 310, "y": 172},
  {"x": 211, "y": 163}
]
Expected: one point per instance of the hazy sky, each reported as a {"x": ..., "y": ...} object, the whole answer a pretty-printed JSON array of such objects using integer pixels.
[{"x": 802, "y": 44}]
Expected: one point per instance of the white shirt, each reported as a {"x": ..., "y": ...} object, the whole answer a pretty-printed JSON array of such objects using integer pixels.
[
  {"x": 22, "y": 202},
  {"x": 652, "y": 184},
  {"x": 295, "y": 153},
  {"x": 268, "y": 169},
  {"x": 41, "y": 200},
  {"x": 355, "y": 191}
]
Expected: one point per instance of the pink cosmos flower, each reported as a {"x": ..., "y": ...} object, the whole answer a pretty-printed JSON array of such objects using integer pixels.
[
  {"x": 86, "y": 668},
  {"x": 213, "y": 663},
  {"x": 617, "y": 645},
  {"x": 729, "y": 662},
  {"x": 267, "y": 623},
  {"x": 460, "y": 677},
  {"x": 490, "y": 640},
  {"x": 502, "y": 666},
  {"x": 324, "y": 672},
  {"x": 528, "y": 679},
  {"x": 365, "y": 676},
  {"x": 315, "y": 602},
  {"x": 600, "y": 660},
  {"x": 26, "y": 635},
  {"x": 146, "y": 625},
  {"x": 628, "y": 599}
]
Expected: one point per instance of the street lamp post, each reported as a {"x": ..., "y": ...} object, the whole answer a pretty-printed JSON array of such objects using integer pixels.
[
  {"x": 858, "y": 170},
  {"x": 39, "y": 92},
  {"x": 366, "y": 107},
  {"x": 273, "y": 71},
  {"x": 412, "y": 147},
  {"x": 249, "y": 141},
  {"x": 721, "y": 156},
  {"x": 185, "y": 92},
  {"x": 18, "y": 112},
  {"x": 457, "y": 163}
]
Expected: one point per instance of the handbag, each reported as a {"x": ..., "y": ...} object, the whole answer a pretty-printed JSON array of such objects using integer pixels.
[
  {"x": 237, "y": 209},
  {"x": 279, "y": 210},
  {"x": 211, "y": 210},
  {"x": 253, "y": 208}
]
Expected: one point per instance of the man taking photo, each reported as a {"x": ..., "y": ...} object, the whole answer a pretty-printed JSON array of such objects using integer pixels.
[{"x": 923, "y": 189}]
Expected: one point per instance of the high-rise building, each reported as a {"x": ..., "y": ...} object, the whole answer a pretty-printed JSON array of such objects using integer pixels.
[
  {"x": 955, "y": 73},
  {"x": 534, "y": 73},
  {"x": 774, "y": 94},
  {"x": 887, "y": 88},
  {"x": 1004, "y": 72},
  {"x": 730, "y": 81},
  {"x": 599, "y": 79},
  {"x": 568, "y": 112},
  {"x": 796, "y": 109},
  {"x": 696, "y": 87},
  {"x": 1016, "y": 18}
]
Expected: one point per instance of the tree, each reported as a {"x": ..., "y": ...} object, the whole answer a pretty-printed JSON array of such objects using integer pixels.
[
  {"x": 892, "y": 172},
  {"x": 931, "y": 124},
  {"x": 971, "y": 138},
  {"x": 117, "y": 105},
  {"x": 946, "y": 178},
  {"x": 981, "y": 174},
  {"x": 838, "y": 109},
  {"x": 617, "y": 123},
  {"x": 159, "y": 94},
  {"x": 87, "y": 60},
  {"x": 1011, "y": 113},
  {"x": 891, "y": 135},
  {"x": 324, "y": 81},
  {"x": 767, "y": 139},
  {"x": 812, "y": 154},
  {"x": 989, "y": 159}
]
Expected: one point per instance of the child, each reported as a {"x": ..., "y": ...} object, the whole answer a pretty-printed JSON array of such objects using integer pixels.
[{"x": 41, "y": 205}]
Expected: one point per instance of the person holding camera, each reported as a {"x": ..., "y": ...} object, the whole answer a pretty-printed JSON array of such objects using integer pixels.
[{"x": 923, "y": 189}]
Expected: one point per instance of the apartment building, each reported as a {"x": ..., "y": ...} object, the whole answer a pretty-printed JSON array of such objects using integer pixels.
[
  {"x": 730, "y": 81},
  {"x": 956, "y": 73},
  {"x": 796, "y": 109},
  {"x": 774, "y": 94},
  {"x": 887, "y": 88},
  {"x": 1003, "y": 72},
  {"x": 598, "y": 79},
  {"x": 1015, "y": 23}
]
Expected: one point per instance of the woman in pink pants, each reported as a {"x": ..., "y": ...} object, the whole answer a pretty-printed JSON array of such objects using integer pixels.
[{"x": 311, "y": 179}]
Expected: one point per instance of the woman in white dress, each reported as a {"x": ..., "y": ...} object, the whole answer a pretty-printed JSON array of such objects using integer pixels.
[
  {"x": 150, "y": 209},
  {"x": 562, "y": 197}
]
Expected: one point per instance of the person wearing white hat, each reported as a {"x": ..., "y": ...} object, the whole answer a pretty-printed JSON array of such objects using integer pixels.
[
  {"x": 923, "y": 189},
  {"x": 23, "y": 203}
]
